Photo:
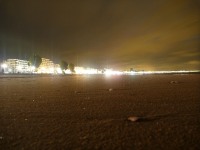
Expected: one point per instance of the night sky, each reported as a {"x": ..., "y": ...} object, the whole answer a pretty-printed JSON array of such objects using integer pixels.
[{"x": 118, "y": 34}]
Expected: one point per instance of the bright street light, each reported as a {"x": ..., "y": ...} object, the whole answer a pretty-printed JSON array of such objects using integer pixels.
[{"x": 4, "y": 66}]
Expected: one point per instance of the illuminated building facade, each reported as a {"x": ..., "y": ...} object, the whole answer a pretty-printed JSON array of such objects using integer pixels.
[
  {"x": 15, "y": 66},
  {"x": 47, "y": 66},
  {"x": 21, "y": 66},
  {"x": 57, "y": 69}
]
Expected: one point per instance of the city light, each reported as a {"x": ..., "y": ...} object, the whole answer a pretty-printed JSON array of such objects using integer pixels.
[
  {"x": 51, "y": 70},
  {"x": 19, "y": 67},
  {"x": 59, "y": 70},
  {"x": 109, "y": 72},
  {"x": 48, "y": 67},
  {"x": 32, "y": 68},
  {"x": 81, "y": 70},
  {"x": 4, "y": 66}
]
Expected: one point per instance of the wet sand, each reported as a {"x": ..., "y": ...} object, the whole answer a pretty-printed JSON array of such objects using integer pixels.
[{"x": 91, "y": 112}]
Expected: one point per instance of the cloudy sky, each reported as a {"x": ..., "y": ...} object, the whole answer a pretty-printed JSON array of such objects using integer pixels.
[{"x": 118, "y": 34}]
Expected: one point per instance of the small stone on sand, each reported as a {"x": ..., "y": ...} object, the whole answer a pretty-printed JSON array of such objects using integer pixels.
[
  {"x": 110, "y": 90},
  {"x": 133, "y": 118},
  {"x": 173, "y": 82},
  {"x": 77, "y": 92}
]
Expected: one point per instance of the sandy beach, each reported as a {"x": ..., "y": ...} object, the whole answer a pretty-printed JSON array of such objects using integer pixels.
[{"x": 91, "y": 112}]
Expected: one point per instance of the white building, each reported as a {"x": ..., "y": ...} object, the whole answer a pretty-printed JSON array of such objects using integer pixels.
[
  {"x": 15, "y": 66},
  {"x": 21, "y": 66},
  {"x": 57, "y": 69},
  {"x": 47, "y": 66}
]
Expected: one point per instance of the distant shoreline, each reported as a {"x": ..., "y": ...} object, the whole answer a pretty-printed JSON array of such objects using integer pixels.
[{"x": 62, "y": 75}]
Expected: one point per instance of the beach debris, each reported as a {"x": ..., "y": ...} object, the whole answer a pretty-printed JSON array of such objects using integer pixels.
[
  {"x": 25, "y": 119},
  {"x": 173, "y": 82},
  {"x": 1, "y": 137},
  {"x": 110, "y": 89},
  {"x": 87, "y": 98},
  {"x": 133, "y": 118},
  {"x": 84, "y": 137},
  {"x": 77, "y": 92}
]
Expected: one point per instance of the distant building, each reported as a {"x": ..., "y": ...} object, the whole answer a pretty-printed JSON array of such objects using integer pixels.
[
  {"x": 22, "y": 66},
  {"x": 47, "y": 66},
  {"x": 57, "y": 69},
  {"x": 15, "y": 66}
]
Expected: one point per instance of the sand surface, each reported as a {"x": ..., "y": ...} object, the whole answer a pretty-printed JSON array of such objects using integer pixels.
[{"x": 91, "y": 112}]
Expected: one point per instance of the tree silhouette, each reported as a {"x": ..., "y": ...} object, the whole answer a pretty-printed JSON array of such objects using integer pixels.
[
  {"x": 35, "y": 60},
  {"x": 63, "y": 65},
  {"x": 71, "y": 67}
]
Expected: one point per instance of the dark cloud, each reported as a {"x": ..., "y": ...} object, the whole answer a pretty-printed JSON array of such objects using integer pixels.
[{"x": 159, "y": 34}]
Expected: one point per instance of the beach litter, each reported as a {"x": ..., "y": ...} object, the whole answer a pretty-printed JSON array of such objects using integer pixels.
[
  {"x": 133, "y": 118},
  {"x": 173, "y": 82}
]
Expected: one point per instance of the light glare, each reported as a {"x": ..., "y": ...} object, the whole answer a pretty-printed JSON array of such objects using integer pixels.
[{"x": 4, "y": 66}]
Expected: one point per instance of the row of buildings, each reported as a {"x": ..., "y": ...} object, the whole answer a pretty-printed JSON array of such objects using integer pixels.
[
  {"x": 22, "y": 66},
  {"x": 15, "y": 66}
]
